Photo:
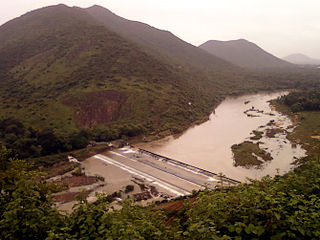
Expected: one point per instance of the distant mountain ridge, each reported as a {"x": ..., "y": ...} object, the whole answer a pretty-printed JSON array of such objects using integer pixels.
[
  {"x": 163, "y": 42},
  {"x": 211, "y": 74},
  {"x": 244, "y": 53},
  {"x": 299, "y": 58},
  {"x": 68, "y": 68}
]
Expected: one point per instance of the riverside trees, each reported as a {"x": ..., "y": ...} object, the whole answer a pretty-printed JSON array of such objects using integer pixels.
[{"x": 283, "y": 207}]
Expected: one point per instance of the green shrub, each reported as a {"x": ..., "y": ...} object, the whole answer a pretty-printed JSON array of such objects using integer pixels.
[{"x": 129, "y": 188}]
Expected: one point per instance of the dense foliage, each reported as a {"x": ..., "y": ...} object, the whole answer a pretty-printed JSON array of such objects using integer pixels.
[
  {"x": 307, "y": 100},
  {"x": 246, "y": 155},
  {"x": 25, "y": 207},
  {"x": 58, "y": 53},
  {"x": 281, "y": 208},
  {"x": 302, "y": 107},
  {"x": 285, "y": 207},
  {"x": 29, "y": 142}
]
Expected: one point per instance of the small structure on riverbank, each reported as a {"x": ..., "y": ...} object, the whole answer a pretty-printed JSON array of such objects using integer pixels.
[
  {"x": 118, "y": 143},
  {"x": 72, "y": 159}
]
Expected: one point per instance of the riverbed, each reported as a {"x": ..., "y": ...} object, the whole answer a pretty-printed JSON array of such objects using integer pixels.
[{"x": 208, "y": 145}]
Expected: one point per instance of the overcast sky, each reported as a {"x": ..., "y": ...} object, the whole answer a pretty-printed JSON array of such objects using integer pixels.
[{"x": 281, "y": 27}]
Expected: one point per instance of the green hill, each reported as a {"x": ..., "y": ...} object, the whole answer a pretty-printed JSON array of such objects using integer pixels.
[
  {"x": 69, "y": 71},
  {"x": 62, "y": 69},
  {"x": 213, "y": 75},
  {"x": 161, "y": 42}
]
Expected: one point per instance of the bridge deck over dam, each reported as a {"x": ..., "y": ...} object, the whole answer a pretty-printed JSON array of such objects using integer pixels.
[
  {"x": 170, "y": 176},
  {"x": 188, "y": 166}
]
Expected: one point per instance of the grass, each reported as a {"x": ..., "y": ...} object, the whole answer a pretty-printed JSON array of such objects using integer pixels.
[
  {"x": 246, "y": 155},
  {"x": 307, "y": 124},
  {"x": 271, "y": 132},
  {"x": 257, "y": 135},
  {"x": 59, "y": 162}
]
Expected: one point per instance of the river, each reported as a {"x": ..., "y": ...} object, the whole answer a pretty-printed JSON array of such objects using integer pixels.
[{"x": 208, "y": 145}]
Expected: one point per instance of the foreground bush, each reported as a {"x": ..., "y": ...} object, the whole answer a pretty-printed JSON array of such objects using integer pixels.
[{"x": 283, "y": 207}]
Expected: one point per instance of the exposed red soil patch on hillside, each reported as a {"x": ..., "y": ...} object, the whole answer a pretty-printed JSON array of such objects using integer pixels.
[
  {"x": 96, "y": 108},
  {"x": 176, "y": 205},
  {"x": 60, "y": 169},
  {"x": 76, "y": 181},
  {"x": 69, "y": 196}
]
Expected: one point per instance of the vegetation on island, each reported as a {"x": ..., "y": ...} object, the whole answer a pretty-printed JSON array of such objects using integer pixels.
[
  {"x": 283, "y": 207},
  {"x": 249, "y": 154},
  {"x": 272, "y": 132},
  {"x": 257, "y": 135}
]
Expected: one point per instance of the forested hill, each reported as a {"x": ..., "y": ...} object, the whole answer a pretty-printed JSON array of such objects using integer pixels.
[
  {"x": 64, "y": 72},
  {"x": 245, "y": 54},
  {"x": 162, "y": 42},
  {"x": 212, "y": 74},
  {"x": 62, "y": 69}
]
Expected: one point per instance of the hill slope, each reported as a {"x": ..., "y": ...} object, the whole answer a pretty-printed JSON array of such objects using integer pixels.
[
  {"x": 163, "y": 42},
  {"x": 210, "y": 74},
  {"x": 299, "y": 58},
  {"x": 62, "y": 69},
  {"x": 244, "y": 53}
]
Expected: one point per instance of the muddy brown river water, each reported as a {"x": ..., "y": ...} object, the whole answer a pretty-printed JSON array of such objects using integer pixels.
[{"x": 208, "y": 145}]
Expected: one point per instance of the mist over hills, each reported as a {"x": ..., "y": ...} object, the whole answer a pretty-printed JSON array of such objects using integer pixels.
[
  {"x": 302, "y": 59},
  {"x": 244, "y": 53},
  {"x": 160, "y": 41},
  {"x": 213, "y": 75},
  {"x": 62, "y": 69},
  {"x": 70, "y": 68}
]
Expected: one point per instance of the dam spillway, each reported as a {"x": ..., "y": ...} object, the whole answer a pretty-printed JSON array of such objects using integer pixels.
[
  {"x": 189, "y": 167},
  {"x": 168, "y": 175}
]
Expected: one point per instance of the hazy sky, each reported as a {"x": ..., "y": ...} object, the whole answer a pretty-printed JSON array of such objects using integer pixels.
[{"x": 281, "y": 27}]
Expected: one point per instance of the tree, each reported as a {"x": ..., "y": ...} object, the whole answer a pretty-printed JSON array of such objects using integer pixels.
[{"x": 26, "y": 210}]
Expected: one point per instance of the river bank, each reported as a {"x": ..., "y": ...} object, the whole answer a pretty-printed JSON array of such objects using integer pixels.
[
  {"x": 128, "y": 173},
  {"x": 259, "y": 118},
  {"x": 208, "y": 145},
  {"x": 306, "y": 129}
]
